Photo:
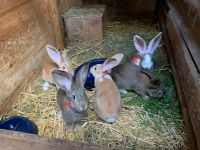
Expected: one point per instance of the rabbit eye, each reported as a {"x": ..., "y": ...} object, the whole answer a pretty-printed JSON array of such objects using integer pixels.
[
  {"x": 95, "y": 68},
  {"x": 63, "y": 67},
  {"x": 74, "y": 97}
]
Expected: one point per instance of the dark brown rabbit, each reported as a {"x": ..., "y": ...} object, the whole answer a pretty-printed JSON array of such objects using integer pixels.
[
  {"x": 133, "y": 78},
  {"x": 71, "y": 96}
]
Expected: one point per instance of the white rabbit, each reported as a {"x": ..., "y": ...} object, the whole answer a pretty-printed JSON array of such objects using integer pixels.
[
  {"x": 107, "y": 101},
  {"x": 143, "y": 54},
  {"x": 59, "y": 62}
]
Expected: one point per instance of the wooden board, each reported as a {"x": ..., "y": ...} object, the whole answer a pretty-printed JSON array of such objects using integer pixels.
[
  {"x": 10, "y": 140},
  {"x": 162, "y": 16},
  {"x": 185, "y": 72},
  {"x": 84, "y": 24},
  {"x": 190, "y": 28},
  {"x": 127, "y": 7},
  {"x": 26, "y": 27},
  {"x": 188, "y": 76}
]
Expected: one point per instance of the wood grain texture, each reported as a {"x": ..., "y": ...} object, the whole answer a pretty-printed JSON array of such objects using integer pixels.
[
  {"x": 187, "y": 75},
  {"x": 183, "y": 50},
  {"x": 126, "y": 7},
  {"x": 10, "y": 140},
  {"x": 162, "y": 16},
  {"x": 87, "y": 27},
  {"x": 56, "y": 21},
  {"x": 189, "y": 22},
  {"x": 25, "y": 30}
]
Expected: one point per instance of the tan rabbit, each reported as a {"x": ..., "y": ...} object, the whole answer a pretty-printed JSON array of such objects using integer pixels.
[
  {"x": 59, "y": 62},
  {"x": 107, "y": 101}
]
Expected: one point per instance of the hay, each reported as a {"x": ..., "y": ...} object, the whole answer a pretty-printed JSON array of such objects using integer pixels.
[{"x": 136, "y": 128}]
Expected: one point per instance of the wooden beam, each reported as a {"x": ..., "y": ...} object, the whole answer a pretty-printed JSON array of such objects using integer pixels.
[
  {"x": 10, "y": 140},
  {"x": 55, "y": 20},
  {"x": 163, "y": 17},
  {"x": 187, "y": 73}
]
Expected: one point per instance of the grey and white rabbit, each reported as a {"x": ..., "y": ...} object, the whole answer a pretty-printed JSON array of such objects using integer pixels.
[
  {"x": 107, "y": 100},
  {"x": 71, "y": 97},
  {"x": 143, "y": 54},
  {"x": 133, "y": 78}
]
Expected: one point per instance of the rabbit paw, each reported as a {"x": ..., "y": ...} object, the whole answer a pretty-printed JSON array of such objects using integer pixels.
[
  {"x": 78, "y": 126},
  {"x": 45, "y": 86},
  {"x": 59, "y": 114},
  {"x": 123, "y": 91},
  {"x": 69, "y": 128},
  {"x": 145, "y": 97}
]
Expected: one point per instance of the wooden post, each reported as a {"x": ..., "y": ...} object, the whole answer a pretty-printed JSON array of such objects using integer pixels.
[{"x": 55, "y": 21}]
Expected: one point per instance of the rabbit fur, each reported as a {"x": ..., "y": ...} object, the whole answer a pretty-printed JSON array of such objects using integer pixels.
[
  {"x": 134, "y": 78},
  {"x": 107, "y": 99},
  {"x": 142, "y": 56},
  {"x": 71, "y": 97},
  {"x": 60, "y": 61}
]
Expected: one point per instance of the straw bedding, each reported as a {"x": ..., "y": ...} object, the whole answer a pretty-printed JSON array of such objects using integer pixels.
[{"x": 137, "y": 126}]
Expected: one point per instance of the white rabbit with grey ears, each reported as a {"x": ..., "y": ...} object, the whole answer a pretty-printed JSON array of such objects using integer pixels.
[{"x": 143, "y": 54}]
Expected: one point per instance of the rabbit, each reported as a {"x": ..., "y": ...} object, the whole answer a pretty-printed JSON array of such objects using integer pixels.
[
  {"x": 107, "y": 99},
  {"x": 71, "y": 97},
  {"x": 134, "y": 78},
  {"x": 59, "y": 62},
  {"x": 143, "y": 54}
]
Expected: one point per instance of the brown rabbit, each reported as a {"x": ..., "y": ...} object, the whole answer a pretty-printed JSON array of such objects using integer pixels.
[
  {"x": 132, "y": 77},
  {"x": 71, "y": 96},
  {"x": 107, "y": 101},
  {"x": 59, "y": 62}
]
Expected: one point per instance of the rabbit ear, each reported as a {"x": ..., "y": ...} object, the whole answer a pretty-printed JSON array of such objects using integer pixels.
[
  {"x": 147, "y": 73},
  {"x": 153, "y": 44},
  {"x": 54, "y": 54},
  {"x": 155, "y": 83},
  {"x": 82, "y": 75},
  {"x": 140, "y": 44},
  {"x": 118, "y": 57},
  {"x": 62, "y": 79},
  {"x": 112, "y": 62}
]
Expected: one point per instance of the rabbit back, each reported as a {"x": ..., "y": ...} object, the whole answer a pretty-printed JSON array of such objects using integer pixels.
[
  {"x": 126, "y": 76},
  {"x": 107, "y": 102},
  {"x": 133, "y": 78}
]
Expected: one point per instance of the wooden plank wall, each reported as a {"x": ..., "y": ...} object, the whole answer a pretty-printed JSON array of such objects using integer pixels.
[
  {"x": 10, "y": 140},
  {"x": 183, "y": 49},
  {"x": 141, "y": 8},
  {"x": 26, "y": 26}
]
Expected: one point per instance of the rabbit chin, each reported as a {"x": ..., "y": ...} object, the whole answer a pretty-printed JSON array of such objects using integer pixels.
[{"x": 147, "y": 62}]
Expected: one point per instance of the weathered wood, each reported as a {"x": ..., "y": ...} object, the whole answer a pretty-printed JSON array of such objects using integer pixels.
[
  {"x": 127, "y": 7},
  {"x": 188, "y": 26},
  {"x": 65, "y": 5},
  {"x": 10, "y": 140},
  {"x": 86, "y": 26},
  {"x": 187, "y": 73},
  {"x": 26, "y": 27},
  {"x": 162, "y": 16},
  {"x": 56, "y": 21}
]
